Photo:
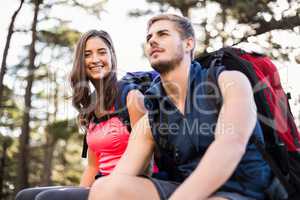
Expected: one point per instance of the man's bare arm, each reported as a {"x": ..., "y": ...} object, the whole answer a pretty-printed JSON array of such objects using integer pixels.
[
  {"x": 234, "y": 127},
  {"x": 139, "y": 151}
]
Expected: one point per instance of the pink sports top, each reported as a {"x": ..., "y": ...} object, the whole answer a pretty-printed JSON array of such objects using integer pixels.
[{"x": 108, "y": 140}]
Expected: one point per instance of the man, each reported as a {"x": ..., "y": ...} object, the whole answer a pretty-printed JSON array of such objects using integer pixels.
[{"x": 205, "y": 150}]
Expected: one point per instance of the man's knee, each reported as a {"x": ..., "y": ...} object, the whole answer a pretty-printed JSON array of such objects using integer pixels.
[{"x": 109, "y": 187}]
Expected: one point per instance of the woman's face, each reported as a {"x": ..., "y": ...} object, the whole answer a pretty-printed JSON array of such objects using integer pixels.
[{"x": 97, "y": 58}]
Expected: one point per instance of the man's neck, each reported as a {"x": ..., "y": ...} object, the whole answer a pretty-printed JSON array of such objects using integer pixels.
[{"x": 175, "y": 83}]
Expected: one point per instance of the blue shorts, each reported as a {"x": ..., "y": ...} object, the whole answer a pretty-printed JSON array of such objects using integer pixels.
[{"x": 166, "y": 188}]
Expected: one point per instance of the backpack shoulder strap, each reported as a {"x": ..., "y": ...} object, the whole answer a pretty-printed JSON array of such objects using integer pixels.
[
  {"x": 132, "y": 81},
  {"x": 121, "y": 103},
  {"x": 84, "y": 147},
  {"x": 273, "y": 165}
]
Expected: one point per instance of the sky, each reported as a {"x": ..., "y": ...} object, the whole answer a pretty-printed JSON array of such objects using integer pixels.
[{"x": 128, "y": 35}]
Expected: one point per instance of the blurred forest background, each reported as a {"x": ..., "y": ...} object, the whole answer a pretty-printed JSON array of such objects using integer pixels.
[{"x": 40, "y": 140}]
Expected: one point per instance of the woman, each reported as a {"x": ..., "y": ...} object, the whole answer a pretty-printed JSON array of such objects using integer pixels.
[{"x": 95, "y": 64}]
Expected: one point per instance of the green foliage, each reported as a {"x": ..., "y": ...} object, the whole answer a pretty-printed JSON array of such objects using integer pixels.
[
  {"x": 10, "y": 113},
  {"x": 68, "y": 168},
  {"x": 6, "y": 141},
  {"x": 61, "y": 36},
  {"x": 10, "y": 167},
  {"x": 63, "y": 129},
  {"x": 54, "y": 48},
  {"x": 233, "y": 21}
]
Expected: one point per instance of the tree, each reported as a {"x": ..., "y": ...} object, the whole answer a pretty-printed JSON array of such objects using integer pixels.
[
  {"x": 36, "y": 69},
  {"x": 55, "y": 39},
  {"x": 5, "y": 143},
  {"x": 7, "y": 44},
  {"x": 25, "y": 129},
  {"x": 260, "y": 16},
  {"x": 61, "y": 40},
  {"x": 9, "y": 118},
  {"x": 183, "y": 5},
  {"x": 58, "y": 130}
]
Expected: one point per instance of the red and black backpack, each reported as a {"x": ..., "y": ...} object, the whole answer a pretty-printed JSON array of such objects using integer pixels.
[{"x": 282, "y": 139}]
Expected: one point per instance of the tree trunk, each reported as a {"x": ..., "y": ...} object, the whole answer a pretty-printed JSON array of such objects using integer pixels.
[
  {"x": 50, "y": 140},
  {"x": 185, "y": 11},
  {"x": 2, "y": 167},
  {"x": 206, "y": 33},
  {"x": 224, "y": 19},
  {"x": 5, "y": 52},
  {"x": 48, "y": 158},
  {"x": 25, "y": 129}
]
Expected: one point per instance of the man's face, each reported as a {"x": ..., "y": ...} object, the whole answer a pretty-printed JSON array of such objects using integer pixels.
[{"x": 164, "y": 47}]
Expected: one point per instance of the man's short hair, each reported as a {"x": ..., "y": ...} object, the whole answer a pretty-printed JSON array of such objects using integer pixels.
[{"x": 183, "y": 25}]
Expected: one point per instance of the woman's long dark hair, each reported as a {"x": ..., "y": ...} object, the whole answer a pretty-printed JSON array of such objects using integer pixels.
[{"x": 82, "y": 98}]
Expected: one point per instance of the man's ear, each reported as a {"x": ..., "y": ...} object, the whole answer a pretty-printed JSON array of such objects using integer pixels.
[{"x": 189, "y": 43}]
